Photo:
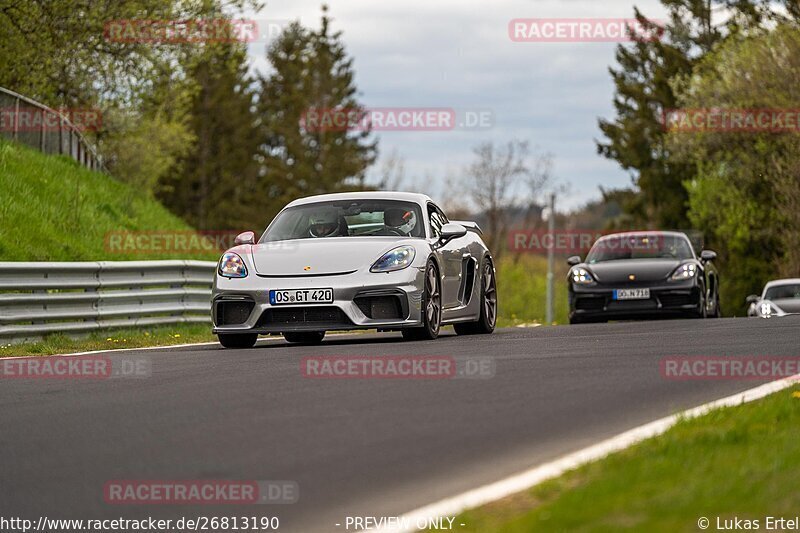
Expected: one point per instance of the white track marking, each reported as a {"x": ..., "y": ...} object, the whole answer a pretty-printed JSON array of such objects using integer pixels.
[{"x": 524, "y": 480}]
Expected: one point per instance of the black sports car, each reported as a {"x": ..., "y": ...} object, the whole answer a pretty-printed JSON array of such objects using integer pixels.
[{"x": 642, "y": 275}]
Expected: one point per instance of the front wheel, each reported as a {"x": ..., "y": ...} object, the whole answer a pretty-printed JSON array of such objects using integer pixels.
[
  {"x": 717, "y": 310},
  {"x": 304, "y": 337},
  {"x": 488, "y": 317},
  {"x": 431, "y": 307},
  {"x": 238, "y": 340},
  {"x": 702, "y": 311}
]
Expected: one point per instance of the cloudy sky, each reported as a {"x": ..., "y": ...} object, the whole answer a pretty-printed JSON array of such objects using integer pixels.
[{"x": 458, "y": 54}]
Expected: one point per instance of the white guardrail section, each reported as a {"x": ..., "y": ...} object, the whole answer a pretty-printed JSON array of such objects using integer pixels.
[{"x": 37, "y": 299}]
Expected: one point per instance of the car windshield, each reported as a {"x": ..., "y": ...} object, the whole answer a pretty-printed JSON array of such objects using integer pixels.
[
  {"x": 347, "y": 218},
  {"x": 783, "y": 292},
  {"x": 640, "y": 246}
]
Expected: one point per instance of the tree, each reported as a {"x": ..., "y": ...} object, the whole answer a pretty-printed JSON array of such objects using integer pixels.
[
  {"x": 60, "y": 51},
  {"x": 176, "y": 116},
  {"x": 494, "y": 182},
  {"x": 745, "y": 188},
  {"x": 312, "y": 72},
  {"x": 635, "y": 138},
  {"x": 144, "y": 149},
  {"x": 213, "y": 186}
]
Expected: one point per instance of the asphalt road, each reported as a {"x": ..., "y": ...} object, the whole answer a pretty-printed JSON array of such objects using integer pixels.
[{"x": 360, "y": 447}]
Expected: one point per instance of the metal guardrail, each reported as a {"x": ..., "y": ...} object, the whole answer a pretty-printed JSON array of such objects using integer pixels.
[
  {"x": 37, "y": 299},
  {"x": 65, "y": 139}
]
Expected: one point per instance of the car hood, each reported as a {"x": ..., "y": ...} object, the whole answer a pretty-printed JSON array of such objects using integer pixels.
[
  {"x": 334, "y": 255},
  {"x": 619, "y": 271},
  {"x": 788, "y": 305}
]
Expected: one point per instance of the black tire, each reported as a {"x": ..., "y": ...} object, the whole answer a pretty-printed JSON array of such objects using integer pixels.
[
  {"x": 238, "y": 340},
  {"x": 717, "y": 310},
  {"x": 488, "y": 318},
  {"x": 431, "y": 307},
  {"x": 575, "y": 320},
  {"x": 304, "y": 337},
  {"x": 702, "y": 312}
]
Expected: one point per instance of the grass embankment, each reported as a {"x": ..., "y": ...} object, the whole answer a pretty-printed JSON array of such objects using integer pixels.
[
  {"x": 52, "y": 209},
  {"x": 736, "y": 462},
  {"x": 522, "y": 289}
]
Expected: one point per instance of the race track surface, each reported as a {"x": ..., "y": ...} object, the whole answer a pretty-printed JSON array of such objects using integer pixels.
[{"x": 355, "y": 447}]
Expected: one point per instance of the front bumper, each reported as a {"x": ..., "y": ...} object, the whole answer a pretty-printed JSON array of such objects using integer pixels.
[
  {"x": 361, "y": 300},
  {"x": 666, "y": 299}
]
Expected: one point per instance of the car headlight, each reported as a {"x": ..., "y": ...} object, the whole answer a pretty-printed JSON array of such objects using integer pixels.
[
  {"x": 232, "y": 266},
  {"x": 581, "y": 276},
  {"x": 396, "y": 259},
  {"x": 683, "y": 272}
]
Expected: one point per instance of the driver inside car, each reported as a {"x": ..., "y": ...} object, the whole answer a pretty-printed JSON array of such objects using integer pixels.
[
  {"x": 324, "y": 224},
  {"x": 398, "y": 221}
]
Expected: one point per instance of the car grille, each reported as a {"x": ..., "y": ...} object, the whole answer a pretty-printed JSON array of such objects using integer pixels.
[
  {"x": 300, "y": 316},
  {"x": 675, "y": 300},
  {"x": 632, "y": 305},
  {"x": 230, "y": 313},
  {"x": 590, "y": 304},
  {"x": 380, "y": 307}
]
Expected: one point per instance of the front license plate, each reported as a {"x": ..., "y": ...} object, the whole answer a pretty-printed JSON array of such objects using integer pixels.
[
  {"x": 300, "y": 296},
  {"x": 632, "y": 294}
]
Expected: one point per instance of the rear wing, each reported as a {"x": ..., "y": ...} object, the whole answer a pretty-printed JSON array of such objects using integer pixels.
[{"x": 471, "y": 226}]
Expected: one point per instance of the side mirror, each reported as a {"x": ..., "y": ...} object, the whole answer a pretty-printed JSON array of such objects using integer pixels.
[
  {"x": 753, "y": 298},
  {"x": 452, "y": 231},
  {"x": 248, "y": 237},
  {"x": 708, "y": 255},
  {"x": 574, "y": 260}
]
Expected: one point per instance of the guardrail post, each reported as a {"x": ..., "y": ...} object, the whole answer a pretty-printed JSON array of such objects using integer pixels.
[
  {"x": 60, "y": 134},
  {"x": 16, "y": 118},
  {"x": 42, "y": 132}
]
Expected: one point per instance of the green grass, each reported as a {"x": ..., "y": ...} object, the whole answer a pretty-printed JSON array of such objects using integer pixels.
[
  {"x": 52, "y": 209},
  {"x": 522, "y": 290},
  {"x": 736, "y": 462},
  {"x": 113, "y": 340}
]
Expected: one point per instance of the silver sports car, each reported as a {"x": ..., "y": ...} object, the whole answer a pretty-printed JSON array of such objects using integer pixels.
[
  {"x": 780, "y": 298},
  {"x": 366, "y": 260}
]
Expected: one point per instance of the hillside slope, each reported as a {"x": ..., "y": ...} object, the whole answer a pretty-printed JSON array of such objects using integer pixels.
[{"x": 52, "y": 209}]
